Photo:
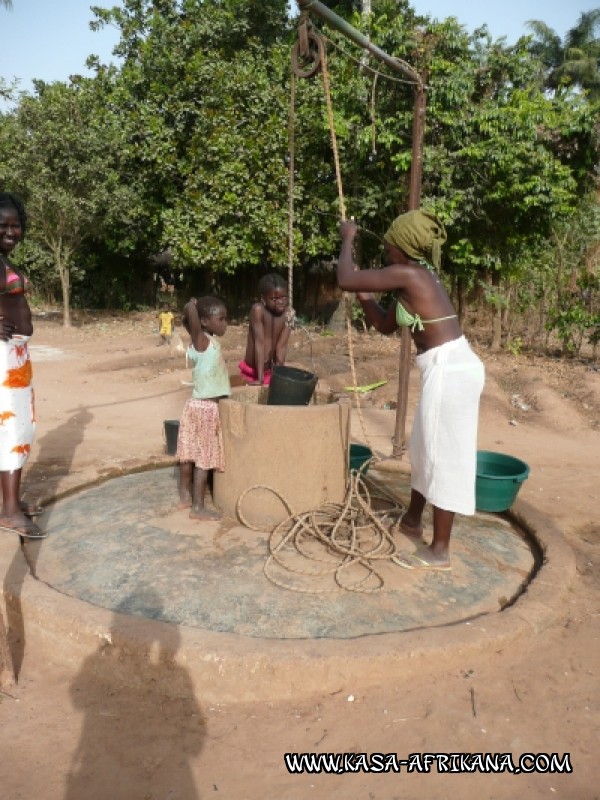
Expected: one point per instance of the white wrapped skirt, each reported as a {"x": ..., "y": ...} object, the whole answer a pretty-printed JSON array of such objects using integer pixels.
[{"x": 443, "y": 443}]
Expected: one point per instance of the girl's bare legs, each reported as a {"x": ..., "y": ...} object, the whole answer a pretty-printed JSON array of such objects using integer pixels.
[
  {"x": 186, "y": 483},
  {"x": 198, "y": 510}
]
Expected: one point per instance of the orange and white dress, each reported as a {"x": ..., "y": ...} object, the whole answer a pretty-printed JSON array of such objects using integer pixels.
[{"x": 17, "y": 414}]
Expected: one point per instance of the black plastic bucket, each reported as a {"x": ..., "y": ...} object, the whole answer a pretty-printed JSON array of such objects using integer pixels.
[
  {"x": 291, "y": 387},
  {"x": 171, "y": 433}
]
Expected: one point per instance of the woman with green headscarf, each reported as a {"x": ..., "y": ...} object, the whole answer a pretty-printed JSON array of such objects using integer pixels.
[{"x": 443, "y": 444}]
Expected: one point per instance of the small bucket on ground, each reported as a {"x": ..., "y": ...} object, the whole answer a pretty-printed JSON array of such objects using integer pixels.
[
  {"x": 498, "y": 480},
  {"x": 171, "y": 433},
  {"x": 290, "y": 386},
  {"x": 359, "y": 457}
]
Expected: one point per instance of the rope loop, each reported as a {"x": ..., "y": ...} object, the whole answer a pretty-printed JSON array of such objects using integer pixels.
[{"x": 341, "y": 541}]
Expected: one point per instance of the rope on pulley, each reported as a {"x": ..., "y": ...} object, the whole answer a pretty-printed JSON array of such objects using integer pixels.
[{"x": 316, "y": 49}]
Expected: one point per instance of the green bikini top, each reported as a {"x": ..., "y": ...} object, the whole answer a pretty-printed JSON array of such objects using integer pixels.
[{"x": 413, "y": 321}]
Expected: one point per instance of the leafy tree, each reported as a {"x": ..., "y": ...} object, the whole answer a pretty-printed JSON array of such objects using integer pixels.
[
  {"x": 6, "y": 90},
  {"x": 207, "y": 128},
  {"x": 574, "y": 61},
  {"x": 193, "y": 128},
  {"x": 60, "y": 160},
  {"x": 573, "y": 304},
  {"x": 205, "y": 102},
  {"x": 502, "y": 161}
]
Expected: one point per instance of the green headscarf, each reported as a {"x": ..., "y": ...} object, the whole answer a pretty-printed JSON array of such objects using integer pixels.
[{"x": 419, "y": 234}]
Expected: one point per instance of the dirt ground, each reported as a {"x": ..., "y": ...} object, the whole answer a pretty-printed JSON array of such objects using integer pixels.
[{"x": 103, "y": 389}]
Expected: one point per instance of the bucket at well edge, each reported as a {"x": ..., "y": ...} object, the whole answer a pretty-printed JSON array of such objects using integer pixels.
[
  {"x": 291, "y": 386},
  {"x": 359, "y": 457},
  {"x": 171, "y": 433},
  {"x": 498, "y": 480}
]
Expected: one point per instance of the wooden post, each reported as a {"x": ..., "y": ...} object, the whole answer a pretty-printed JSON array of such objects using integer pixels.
[{"x": 414, "y": 201}]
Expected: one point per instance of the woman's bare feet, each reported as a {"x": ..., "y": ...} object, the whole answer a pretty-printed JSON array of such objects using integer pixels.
[{"x": 21, "y": 525}]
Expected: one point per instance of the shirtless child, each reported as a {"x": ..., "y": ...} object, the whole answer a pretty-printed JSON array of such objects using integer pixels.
[{"x": 269, "y": 331}]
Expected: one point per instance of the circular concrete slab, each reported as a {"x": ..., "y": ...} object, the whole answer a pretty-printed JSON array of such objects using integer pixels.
[
  {"x": 126, "y": 583},
  {"x": 124, "y": 547}
]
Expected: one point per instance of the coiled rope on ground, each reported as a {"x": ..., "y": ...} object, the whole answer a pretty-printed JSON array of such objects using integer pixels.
[{"x": 351, "y": 539}]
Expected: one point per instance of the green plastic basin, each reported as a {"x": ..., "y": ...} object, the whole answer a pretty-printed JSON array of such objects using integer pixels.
[
  {"x": 498, "y": 480},
  {"x": 359, "y": 457}
]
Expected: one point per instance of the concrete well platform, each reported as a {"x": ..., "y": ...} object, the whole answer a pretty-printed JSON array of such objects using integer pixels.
[{"x": 122, "y": 569}]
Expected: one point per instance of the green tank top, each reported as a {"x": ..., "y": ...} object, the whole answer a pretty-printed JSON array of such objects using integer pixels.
[
  {"x": 413, "y": 321},
  {"x": 209, "y": 374}
]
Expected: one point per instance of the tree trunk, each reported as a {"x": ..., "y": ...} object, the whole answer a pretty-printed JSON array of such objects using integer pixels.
[
  {"x": 62, "y": 261},
  {"x": 506, "y": 319},
  {"x": 497, "y": 315},
  {"x": 337, "y": 323},
  {"x": 461, "y": 299}
]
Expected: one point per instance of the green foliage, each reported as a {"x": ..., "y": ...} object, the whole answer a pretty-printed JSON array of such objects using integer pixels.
[
  {"x": 565, "y": 281},
  {"x": 574, "y": 62},
  {"x": 357, "y": 312},
  {"x": 515, "y": 346},
  {"x": 572, "y": 323},
  {"x": 63, "y": 160},
  {"x": 577, "y": 313},
  {"x": 186, "y": 146},
  {"x": 205, "y": 107}
]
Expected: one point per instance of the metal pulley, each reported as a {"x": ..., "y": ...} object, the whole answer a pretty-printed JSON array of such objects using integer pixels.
[{"x": 307, "y": 52}]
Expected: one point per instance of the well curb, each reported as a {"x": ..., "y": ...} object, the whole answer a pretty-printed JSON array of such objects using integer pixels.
[{"x": 227, "y": 668}]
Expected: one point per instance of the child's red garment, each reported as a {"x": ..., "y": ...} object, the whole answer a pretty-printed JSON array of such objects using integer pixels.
[{"x": 251, "y": 374}]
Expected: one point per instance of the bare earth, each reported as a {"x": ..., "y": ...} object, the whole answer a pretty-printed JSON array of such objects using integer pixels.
[{"x": 103, "y": 389}]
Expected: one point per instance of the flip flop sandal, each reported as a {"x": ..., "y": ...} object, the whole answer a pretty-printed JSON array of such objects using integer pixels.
[
  {"x": 412, "y": 561},
  {"x": 27, "y": 531}
]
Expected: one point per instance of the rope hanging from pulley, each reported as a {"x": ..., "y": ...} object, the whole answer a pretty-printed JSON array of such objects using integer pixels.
[
  {"x": 350, "y": 540},
  {"x": 309, "y": 56}
]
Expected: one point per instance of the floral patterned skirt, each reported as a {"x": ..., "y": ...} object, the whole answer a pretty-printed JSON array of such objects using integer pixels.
[{"x": 200, "y": 439}]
